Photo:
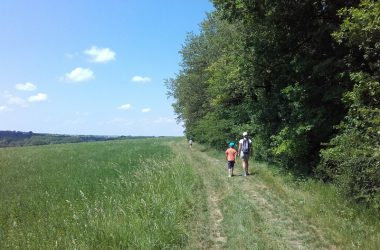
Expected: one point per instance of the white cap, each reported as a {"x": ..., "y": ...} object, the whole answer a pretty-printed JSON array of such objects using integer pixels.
[{"x": 245, "y": 134}]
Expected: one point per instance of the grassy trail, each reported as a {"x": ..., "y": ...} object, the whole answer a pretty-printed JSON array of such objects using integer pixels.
[
  {"x": 217, "y": 237},
  {"x": 247, "y": 212}
]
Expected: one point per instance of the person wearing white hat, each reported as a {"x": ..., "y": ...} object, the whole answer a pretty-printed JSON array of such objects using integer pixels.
[{"x": 244, "y": 151}]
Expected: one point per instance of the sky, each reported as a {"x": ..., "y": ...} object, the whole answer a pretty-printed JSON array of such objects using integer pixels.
[{"x": 85, "y": 67}]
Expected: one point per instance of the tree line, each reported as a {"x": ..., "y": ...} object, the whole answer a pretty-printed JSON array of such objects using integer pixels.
[
  {"x": 20, "y": 138},
  {"x": 301, "y": 76}
]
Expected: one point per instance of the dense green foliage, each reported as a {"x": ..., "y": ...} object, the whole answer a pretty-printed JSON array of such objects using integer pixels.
[
  {"x": 289, "y": 72},
  {"x": 353, "y": 156},
  {"x": 130, "y": 194}
]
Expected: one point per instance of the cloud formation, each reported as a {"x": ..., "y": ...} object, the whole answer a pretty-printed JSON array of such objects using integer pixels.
[
  {"x": 26, "y": 86},
  {"x": 16, "y": 101},
  {"x": 3, "y": 109},
  {"x": 125, "y": 106},
  {"x": 141, "y": 79},
  {"x": 13, "y": 100},
  {"x": 100, "y": 55},
  {"x": 38, "y": 98},
  {"x": 146, "y": 110},
  {"x": 79, "y": 75}
]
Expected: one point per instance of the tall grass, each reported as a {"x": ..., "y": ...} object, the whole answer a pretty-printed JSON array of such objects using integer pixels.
[{"x": 119, "y": 194}]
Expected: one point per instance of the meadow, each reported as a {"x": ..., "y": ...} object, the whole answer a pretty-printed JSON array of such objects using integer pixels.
[
  {"x": 160, "y": 194},
  {"x": 103, "y": 195}
]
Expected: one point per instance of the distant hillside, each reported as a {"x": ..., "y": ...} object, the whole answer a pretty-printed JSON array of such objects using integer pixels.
[{"x": 19, "y": 138}]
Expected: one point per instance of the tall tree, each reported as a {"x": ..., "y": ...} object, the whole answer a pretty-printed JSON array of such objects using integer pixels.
[
  {"x": 292, "y": 71},
  {"x": 353, "y": 156},
  {"x": 205, "y": 89},
  {"x": 289, "y": 72}
]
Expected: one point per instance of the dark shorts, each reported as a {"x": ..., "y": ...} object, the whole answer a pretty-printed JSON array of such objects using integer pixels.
[
  {"x": 244, "y": 156},
  {"x": 230, "y": 164}
]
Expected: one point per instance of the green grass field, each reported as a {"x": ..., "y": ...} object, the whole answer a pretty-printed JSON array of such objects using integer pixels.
[
  {"x": 274, "y": 209},
  {"x": 160, "y": 194},
  {"x": 119, "y": 194}
]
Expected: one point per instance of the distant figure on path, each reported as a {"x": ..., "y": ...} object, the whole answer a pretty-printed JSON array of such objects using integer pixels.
[
  {"x": 231, "y": 158},
  {"x": 190, "y": 143},
  {"x": 244, "y": 151}
]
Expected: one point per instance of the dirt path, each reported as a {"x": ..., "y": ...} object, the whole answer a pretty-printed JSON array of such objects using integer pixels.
[
  {"x": 217, "y": 238},
  {"x": 276, "y": 220}
]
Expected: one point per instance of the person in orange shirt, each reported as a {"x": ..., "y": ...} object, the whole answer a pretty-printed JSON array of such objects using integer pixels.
[{"x": 231, "y": 158}]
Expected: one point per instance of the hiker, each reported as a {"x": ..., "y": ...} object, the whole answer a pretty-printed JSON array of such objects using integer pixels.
[
  {"x": 190, "y": 142},
  {"x": 244, "y": 151},
  {"x": 231, "y": 158}
]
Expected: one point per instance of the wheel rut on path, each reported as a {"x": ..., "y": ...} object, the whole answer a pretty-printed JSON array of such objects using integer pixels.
[
  {"x": 273, "y": 210},
  {"x": 217, "y": 236}
]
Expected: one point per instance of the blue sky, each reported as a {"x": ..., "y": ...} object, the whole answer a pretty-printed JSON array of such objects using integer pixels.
[{"x": 92, "y": 67}]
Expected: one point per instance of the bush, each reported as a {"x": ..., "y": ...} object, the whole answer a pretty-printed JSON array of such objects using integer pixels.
[{"x": 353, "y": 157}]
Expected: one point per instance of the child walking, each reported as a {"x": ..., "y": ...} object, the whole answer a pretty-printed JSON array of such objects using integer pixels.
[{"x": 231, "y": 158}]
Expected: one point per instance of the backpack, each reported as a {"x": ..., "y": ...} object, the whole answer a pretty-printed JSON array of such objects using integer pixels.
[{"x": 245, "y": 146}]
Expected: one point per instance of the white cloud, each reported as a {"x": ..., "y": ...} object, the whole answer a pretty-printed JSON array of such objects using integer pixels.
[
  {"x": 26, "y": 86},
  {"x": 146, "y": 110},
  {"x": 3, "y": 109},
  {"x": 80, "y": 75},
  {"x": 21, "y": 102},
  {"x": 142, "y": 79},
  {"x": 125, "y": 106},
  {"x": 16, "y": 101},
  {"x": 100, "y": 55},
  {"x": 38, "y": 98}
]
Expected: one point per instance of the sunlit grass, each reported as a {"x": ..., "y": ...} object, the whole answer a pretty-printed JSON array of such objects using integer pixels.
[
  {"x": 119, "y": 194},
  {"x": 303, "y": 202},
  {"x": 140, "y": 195},
  {"x": 343, "y": 222}
]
